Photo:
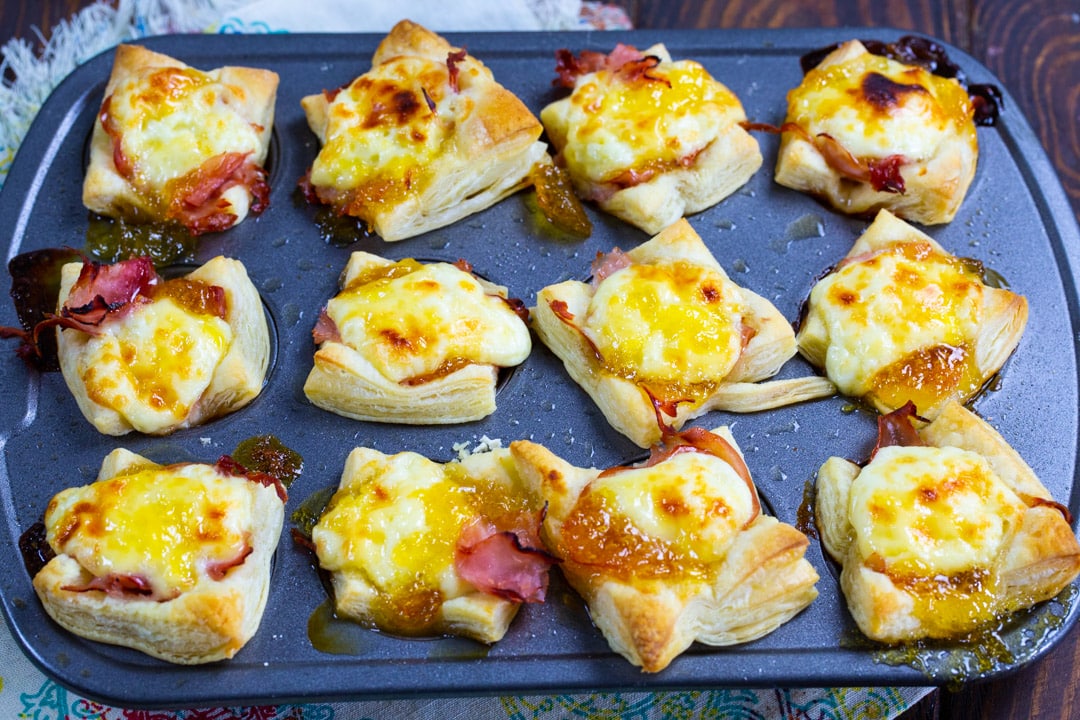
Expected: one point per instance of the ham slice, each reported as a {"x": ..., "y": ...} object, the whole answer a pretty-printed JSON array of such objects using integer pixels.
[
  {"x": 452, "y": 60},
  {"x": 898, "y": 428},
  {"x": 107, "y": 290},
  {"x": 505, "y": 559},
  {"x": 325, "y": 330},
  {"x": 607, "y": 264},
  {"x": 227, "y": 466},
  {"x": 569, "y": 67},
  {"x": 131, "y": 586},
  {"x": 117, "y": 585},
  {"x": 195, "y": 198}
]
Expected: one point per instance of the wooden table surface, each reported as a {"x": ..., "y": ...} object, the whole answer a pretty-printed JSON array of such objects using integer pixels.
[{"x": 1033, "y": 46}]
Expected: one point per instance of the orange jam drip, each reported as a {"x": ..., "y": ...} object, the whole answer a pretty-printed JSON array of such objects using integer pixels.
[
  {"x": 381, "y": 192},
  {"x": 952, "y": 606},
  {"x": 598, "y": 536},
  {"x": 194, "y": 296},
  {"x": 448, "y": 367},
  {"x": 411, "y": 611},
  {"x": 384, "y": 273},
  {"x": 928, "y": 377}
]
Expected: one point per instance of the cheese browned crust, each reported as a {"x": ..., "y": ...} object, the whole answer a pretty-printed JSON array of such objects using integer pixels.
[
  {"x": 168, "y": 526},
  {"x": 670, "y": 326},
  {"x": 174, "y": 120},
  {"x": 162, "y": 367},
  {"x": 942, "y": 540},
  {"x": 670, "y": 554},
  {"x": 676, "y": 131},
  {"x": 419, "y": 344},
  {"x": 879, "y": 111},
  {"x": 406, "y": 151},
  {"x": 388, "y": 538},
  {"x": 901, "y": 319}
]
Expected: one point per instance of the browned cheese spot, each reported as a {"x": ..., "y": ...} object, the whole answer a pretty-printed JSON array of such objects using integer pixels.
[{"x": 883, "y": 93}]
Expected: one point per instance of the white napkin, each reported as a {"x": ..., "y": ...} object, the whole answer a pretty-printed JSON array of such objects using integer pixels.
[{"x": 380, "y": 16}]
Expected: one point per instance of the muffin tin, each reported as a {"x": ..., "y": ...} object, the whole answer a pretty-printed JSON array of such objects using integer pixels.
[{"x": 776, "y": 242}]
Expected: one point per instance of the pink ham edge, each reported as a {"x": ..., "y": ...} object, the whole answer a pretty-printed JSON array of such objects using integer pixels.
[{"x": 509, "y": 564}]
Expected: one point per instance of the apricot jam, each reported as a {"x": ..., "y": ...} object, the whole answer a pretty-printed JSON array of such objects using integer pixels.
[
  {"x": 928, "y": 377},
  {"x": 597, "y": 535}
]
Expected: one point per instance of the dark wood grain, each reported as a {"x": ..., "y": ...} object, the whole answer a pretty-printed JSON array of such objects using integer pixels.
[
  {"x": 19, "y": 17},
  {"x": 1033, "y": 46}
]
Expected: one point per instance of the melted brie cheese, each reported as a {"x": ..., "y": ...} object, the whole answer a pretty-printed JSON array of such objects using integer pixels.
[
  {"x": 674, "y": 324},
  {"x": 613, "y": 124},
  {"x": 412, "y": 325},
  {"x": 382, "y": 131},
  {"x": 154, "y": 363},
  {"x": 876, "y": 107},
  {"x": 925, "y": 512},
  {"x": 672, "y": 518},
  {"x": 164, "y": 524},
  {"x": 172, "y": 120},
  {"x": 883, "y": 313},
  {"x": 395, "y": 521}
]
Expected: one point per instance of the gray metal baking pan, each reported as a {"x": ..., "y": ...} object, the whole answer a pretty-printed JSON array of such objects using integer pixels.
[{"x": 1016, "y": 220}]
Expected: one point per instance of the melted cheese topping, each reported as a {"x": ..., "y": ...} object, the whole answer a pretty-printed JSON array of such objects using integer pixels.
[
  {"x": 164, "y": 524},
  {"x": 153, "y": 364},
  {"x": 876, "y": 107},
  {"x": 613, "y": 124},
  {"x": 382, "y": 133},
  {"x": 172, "y": 120},
  {"x": 395, "y": 522},
  {"x": 431, "y": 318},
  {"x": 925, "y": 511},
  {"x": 901, "y": 324},
  {"x": 676, "y": 326},
  {"x": 673, "y": 518}
]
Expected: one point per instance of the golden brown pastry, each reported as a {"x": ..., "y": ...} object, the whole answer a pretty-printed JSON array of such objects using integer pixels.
[
  {"x": 413, "y": 343},
  {"x": 662, "y": 335},
  {"x": 176, "y": 144},
  {"x": 423, "y": 139},
  {"x": 865, "y": 133},
  {"x": 649, "y": 139},
  {"x": 945, "y": 531},
  {"x": 139, "y": 352},
  {"x": 171, "y": 560},
  {"x": 415, "y": 547},
  {"x": 899, "y": 319},
  {"x": 673, "y": 551}
]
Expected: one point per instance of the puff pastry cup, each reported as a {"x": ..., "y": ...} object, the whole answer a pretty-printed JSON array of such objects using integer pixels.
[
  {"x": 412, "y": 343},
  {"x": 415, "y": 547},
  {"x": 142, "y": 353},
  {"x": 671, "y": 552},
  {"x": 648, "y": 138},
  {"x": 900, "y": 318},
  {"x": 662, "y": 335},
  {"x": 173, "y": 560},
  {"x": 423, "y": 139},
  {"x": 177, "y": 144},
  {"x": 865, "y": 133},
  {"x": 945, "y": 531}
]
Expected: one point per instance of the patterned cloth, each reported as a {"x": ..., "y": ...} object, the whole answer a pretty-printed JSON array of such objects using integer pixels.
[{"x": 25, "y": 693}]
